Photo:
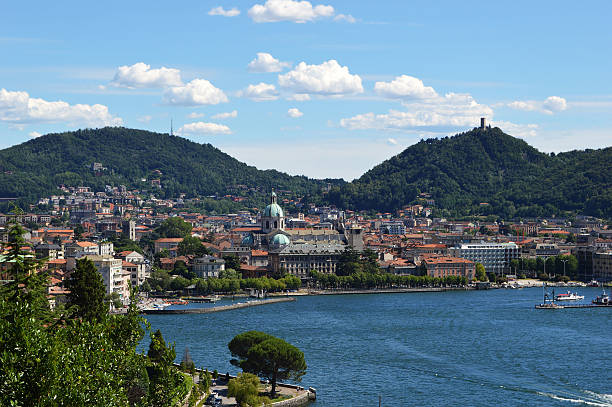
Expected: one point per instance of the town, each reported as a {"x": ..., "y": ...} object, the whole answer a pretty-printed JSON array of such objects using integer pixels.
[{"x": 125, "y": 235}]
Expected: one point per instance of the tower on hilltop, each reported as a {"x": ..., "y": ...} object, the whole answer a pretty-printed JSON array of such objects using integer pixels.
[{"x": 483, "y": 123}]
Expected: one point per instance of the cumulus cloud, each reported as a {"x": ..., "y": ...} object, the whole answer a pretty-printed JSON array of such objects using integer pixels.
[
  {"x": 266, "y": 63},
  {"x": 19, "y": 108},
  {"x": 220, "y": 11},
  {"x": 196, "y": 92},
  {"x": 34, "y": 134},
  {"x": 450, "y": 111},
  {"x": 140, "y": 75},
  {"x": 392, "y": 141},
  {"x": 195, "y": 115},
  {"x": 200, "y": 128},
  {"x": 405, "y": 86},
  {"x": 517, "y": 130},
  {"x": 345, "y": 17},
  {"x": 327, "y": 79},
  {"x": 294, "y": 112},
  {"x": 260, "y": 92},
  {"x": 288, "y": 10},
  {"x": 299, "y": 97},
  {"x": 226, "y": 115},
  {"x": 551, "y": 105}
]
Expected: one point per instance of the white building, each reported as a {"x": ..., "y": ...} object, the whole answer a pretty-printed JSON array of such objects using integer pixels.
[
  {"x": 207, "y": 266},
  {"x": 495, "y": 257},
  {"x": 115, "y": 279}
]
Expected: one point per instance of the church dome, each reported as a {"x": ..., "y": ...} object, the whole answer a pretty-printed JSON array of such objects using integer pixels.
[
  {"x": 280, "y": 240},
  {"x": 247, "y": 240},
  {"x": 273, "y": 210}
]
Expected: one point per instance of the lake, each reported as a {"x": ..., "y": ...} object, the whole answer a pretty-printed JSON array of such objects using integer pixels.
[{"x": 459, "y": 348}]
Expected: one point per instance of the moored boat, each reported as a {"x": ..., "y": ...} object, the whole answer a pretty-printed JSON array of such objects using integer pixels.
[
  {"x": 602, "y": 299},
  {"x": 568, "y": 296}
]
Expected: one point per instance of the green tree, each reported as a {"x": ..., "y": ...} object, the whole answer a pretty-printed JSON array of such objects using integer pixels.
[
  {"x": 245, "y": 389},
  {"x": 192, "y": 245},
  {"x": 232, "y": 262},
  {"x": 87, "y": 291},
  {"x": 174, "y": 227},
  {"x": 267, "y": 356},
  {"x": 480, "y": 275}
]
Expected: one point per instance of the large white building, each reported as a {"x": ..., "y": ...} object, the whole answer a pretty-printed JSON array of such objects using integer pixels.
[
  {"x": 207, "y": 266},
  {"x": 495, "y": 257},
  {"x": 115, "y": 279}
]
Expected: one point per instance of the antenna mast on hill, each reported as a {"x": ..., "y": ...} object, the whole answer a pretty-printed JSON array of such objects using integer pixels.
[{"x": 171, "y": 132}]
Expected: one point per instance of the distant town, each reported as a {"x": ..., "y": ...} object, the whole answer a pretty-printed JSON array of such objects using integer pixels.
[{"x": 118, "y": 230}]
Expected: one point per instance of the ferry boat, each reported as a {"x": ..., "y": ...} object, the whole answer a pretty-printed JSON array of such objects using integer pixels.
[
  {"x": 602, "y": 299},
  {"x": 568, "y": 296}
]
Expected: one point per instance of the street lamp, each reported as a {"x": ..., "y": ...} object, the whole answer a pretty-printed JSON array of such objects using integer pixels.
[{"x": 564, "y": 261}]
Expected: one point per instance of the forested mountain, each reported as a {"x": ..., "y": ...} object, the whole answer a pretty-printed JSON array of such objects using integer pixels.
[
  {"x": 35, "y": 168},
  {"x": 485, "y": 171}
]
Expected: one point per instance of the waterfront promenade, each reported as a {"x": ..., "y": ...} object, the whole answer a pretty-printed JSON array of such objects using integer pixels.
[{"x": 217, "y": 309}]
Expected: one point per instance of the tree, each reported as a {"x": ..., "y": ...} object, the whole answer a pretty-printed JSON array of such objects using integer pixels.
[
  {"x": 232, "y": 262},
  {"x": 480, "y": 273},
  {"x": 87, "y": 291},
  {"x": 268, "y": 356},
  {"x": 192, "y": 245},
  {"x": 174, "y": 227},
  {"x": 245, "y": 389}
]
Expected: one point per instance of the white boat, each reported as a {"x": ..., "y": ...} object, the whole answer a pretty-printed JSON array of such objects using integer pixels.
[
  {"x": 568, "y": 296},
  {"x": 602, "y": 299}
]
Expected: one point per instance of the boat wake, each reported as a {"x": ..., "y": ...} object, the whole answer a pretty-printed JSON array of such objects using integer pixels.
[{"x": 593, "y": 399}]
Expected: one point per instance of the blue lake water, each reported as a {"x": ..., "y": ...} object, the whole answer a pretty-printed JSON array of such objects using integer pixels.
[{"x": 467, "y": 348}]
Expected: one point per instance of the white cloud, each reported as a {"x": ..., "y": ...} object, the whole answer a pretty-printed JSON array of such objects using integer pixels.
[
  {"x": 299, "y": 97},
  {"x": 451, "y": 111},
  {"x": 220, "y": 11},
  {"x": 288, "y": 10},
  {"x": 196, "y": 92},
  {"x": 345, "y": 17},
  {"x": 392, "y": 141},
  {"x": 140, "y": 75},
  {"x": 19, "y": 107},
  {"x": 295, "y": 113},
  {"x": 34, "y": 134},
  {"x": 200, "y": 128},
  {"x": 145, "y": 119},
  {"x": 226, "y": 115},
  {"x": 328, "y": 78},
  {"x": 405, "y": 86},
  {"x": 267, "y": 63},
  {"x": 260, "y": 92},
  {"x": 195, "y": 115},
  {"x": 551, "y": 105},
  {"x": 517, "y": 130}
]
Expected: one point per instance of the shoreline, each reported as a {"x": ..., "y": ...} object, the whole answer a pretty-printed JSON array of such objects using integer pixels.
[{"x": 216, "y": 309}]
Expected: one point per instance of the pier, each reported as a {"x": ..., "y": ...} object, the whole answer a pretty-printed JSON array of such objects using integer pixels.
[
  {"x": 557, "y": 306},
  {"x": 216, "y": 309}
]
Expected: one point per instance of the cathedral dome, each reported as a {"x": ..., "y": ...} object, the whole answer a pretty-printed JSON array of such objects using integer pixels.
[
  {"x": 280, "y": 240},
  {"x": 273, "y": 210}
]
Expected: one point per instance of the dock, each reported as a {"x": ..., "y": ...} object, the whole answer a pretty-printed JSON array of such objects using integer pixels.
[
  {"x": 216, "y": 309},
  {"x": 557, "y": 306}
]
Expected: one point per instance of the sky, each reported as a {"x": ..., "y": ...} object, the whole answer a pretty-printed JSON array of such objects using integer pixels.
[{"x": 322, "y": 88}]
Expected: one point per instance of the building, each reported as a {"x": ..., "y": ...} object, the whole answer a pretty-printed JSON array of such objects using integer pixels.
[
  {"x": 207, "y": 266},
  {"x": 80, "y": 249},
  {"x": 273, "y": 217},
  {"x": 495, "y": 257},
  {"x": 138, "y": 267},
  {"x": 168, "y": 243},
  {"x": 48, "y": 251},
  {"x": 602, "y": 266},
  {"x": 300, "y": 259},
  {"x": 393, "y": 228},
  {"x": 442, "y": 266},
  {"x": 115, "y": 279}
]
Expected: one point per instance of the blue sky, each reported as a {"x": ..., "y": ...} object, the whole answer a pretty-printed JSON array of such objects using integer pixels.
[{"x": 323, "y": 88}]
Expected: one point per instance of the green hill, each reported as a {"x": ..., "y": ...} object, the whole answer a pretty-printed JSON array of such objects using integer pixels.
[
  {"x": 485, "y": 171},
  {"x": 35, "y": 168}
]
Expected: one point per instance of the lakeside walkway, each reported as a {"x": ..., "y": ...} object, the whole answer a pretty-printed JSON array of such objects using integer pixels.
[{"x": 217, "y": 309}]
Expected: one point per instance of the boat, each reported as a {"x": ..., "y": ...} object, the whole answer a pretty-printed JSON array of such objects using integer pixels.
[
  {"x": 602, "y": 299},
  {"x": 568, "y": 296},
  {"x": 593, "y": 283}
]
